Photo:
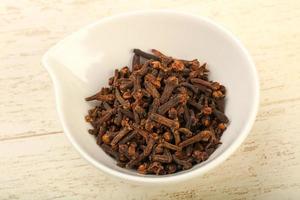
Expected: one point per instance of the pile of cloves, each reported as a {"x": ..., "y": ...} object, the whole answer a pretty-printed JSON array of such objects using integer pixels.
[{"x": 160, "y": 117}]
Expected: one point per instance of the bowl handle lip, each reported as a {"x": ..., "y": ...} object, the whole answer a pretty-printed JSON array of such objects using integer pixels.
[{"x": 150, "y": 179}]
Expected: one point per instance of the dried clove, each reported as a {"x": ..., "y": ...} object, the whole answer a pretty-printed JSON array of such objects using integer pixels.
[
  {"x": 203, "y": 135},
  {"x": 162, "y": 158},
  {"x": 179, "y": 98},
  {"x": 186, "y": 164},
  {"x": 123, "y": 102},
  {"x": 190, "y": 86},
  {"x": 164, "y": 121},
  {"x": 120, "y": 135},
  {"x": 144, "y": 54},
  {"x": 195, "y": 104},
  {"x": 220, "y": 104},
  {"x": 221, "y": 116},
  {"x": 211, "y": 85},
  {"x": 171, "y": 83},
  {"x": 101, "y": 97},
  {"x": 161, "y": 116},
  {"x": 135, "y": 62},
  {"x": 171, "y": 146},
  {"x": 127, "y": 113},
  {"x": 106, "y": 116},
  {"x": 127, "y": 138},
  {"x": 176, "y": 137},
  {"x": 151, "y": 89},
  {"x": 186, "y": 131}
]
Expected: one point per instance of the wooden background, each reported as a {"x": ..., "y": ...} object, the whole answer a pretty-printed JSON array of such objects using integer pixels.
[{"x": 37, "y": 161}]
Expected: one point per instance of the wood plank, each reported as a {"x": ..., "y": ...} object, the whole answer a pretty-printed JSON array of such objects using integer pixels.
[
  {"x": 27, "y": 96},
  {"x": 262, "y": 167},
  {"x": 36, "y": 160}
]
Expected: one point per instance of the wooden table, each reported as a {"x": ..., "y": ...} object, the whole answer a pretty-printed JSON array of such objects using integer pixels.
[{"x": 38, "y": 162}]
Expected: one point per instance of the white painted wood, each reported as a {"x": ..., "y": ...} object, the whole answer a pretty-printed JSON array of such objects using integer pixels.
[{"x": 37, "y": 161}]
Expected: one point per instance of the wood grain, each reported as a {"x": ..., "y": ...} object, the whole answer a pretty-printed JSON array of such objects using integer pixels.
[{"x": 37, "y": 161}]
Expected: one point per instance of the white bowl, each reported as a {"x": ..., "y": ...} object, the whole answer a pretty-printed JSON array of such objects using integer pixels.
[{"x": 82, "y": 63}]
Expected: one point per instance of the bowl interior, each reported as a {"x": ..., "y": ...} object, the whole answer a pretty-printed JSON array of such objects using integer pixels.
[{"x": 82, "y": 63}]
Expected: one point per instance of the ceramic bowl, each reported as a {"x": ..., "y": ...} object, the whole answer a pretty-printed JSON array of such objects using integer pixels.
[{"x": 81, "y": 64}]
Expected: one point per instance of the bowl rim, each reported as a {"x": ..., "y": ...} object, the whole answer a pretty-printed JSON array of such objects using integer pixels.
[{"x": 160, "y": 179}]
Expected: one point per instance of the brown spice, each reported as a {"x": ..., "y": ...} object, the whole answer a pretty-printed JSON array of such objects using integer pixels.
[
  {"x": 171, "y": 146},
  {"x": 179, "y": 98},
  {"x": 161, "y": 117},
  {"x": 164, "y": 121},
  {"x": 203, "y": 135},
  {"x": 120, "y": 135},
  {"x": 171, "y": 83}
]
